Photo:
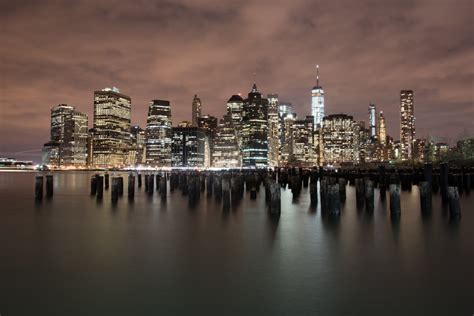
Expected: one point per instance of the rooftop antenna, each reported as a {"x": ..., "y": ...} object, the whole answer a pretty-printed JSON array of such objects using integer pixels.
[{"x": 317, "y": 75}]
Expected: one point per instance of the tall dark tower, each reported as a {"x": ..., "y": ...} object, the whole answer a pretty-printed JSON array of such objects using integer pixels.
[
  {"x": 196, "y": 111},
  {"x": 255, "y": 130}
]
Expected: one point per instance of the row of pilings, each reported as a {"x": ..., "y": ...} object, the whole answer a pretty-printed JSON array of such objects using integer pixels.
[{"x": 326, "y": 187}]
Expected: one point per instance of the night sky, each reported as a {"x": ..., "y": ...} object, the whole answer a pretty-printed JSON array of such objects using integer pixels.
[{"x": 61, "y": 51}]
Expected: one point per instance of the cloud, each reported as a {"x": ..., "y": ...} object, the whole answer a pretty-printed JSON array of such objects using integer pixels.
[{"x": 61, "y": 51}]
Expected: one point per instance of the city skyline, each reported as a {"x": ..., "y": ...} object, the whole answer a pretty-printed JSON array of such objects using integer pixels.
[{"x": 66, "y": 67}]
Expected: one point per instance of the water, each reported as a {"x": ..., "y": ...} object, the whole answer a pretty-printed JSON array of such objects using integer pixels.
[{"x": 73, "y": 256}]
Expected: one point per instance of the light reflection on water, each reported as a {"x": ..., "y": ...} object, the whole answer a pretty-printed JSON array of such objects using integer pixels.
[{"x": 75, "y": 255}]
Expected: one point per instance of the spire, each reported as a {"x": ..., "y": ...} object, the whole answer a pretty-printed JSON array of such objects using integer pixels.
[
  {"x": 254, "y": 87},
  {"x": 317, "y": 75}
]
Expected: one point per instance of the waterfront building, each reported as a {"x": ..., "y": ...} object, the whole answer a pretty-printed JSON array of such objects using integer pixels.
[
  {"x": 209, "y": 124},
  {"x": 286, "y": 148},
  {"x": 382, "y": 129},
  {"x": 407, "y": 124},
  {"x": 196, "y": 110},
  {"x": 273, "y": 130},
  {"x": 226, "y": 151},
  {"x": 373, "y": 122},
  {"x": 255, "y": 130},
  {"x": 190, "y": 147},
  {"x": 158, "y": 134},
  {"x": 111, "y": 139},
  {"x": 138, "y": 149},
  {"x": 235, "y": 107},
  {"x": 338, "y": 139},
  {"x": 317, "y": 101},
  {"x": 68, "y": 138},
  {"x": 302, "y": 153}
]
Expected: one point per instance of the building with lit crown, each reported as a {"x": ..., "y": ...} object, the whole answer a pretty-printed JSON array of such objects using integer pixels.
[
  {"x": 317, "y": 101},
  {"x": 273, "y": 130},
  {"x": 196, "y": 110}
]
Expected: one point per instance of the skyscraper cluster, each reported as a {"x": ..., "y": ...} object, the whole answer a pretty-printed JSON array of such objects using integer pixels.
[{"x": 255, "y": 132}]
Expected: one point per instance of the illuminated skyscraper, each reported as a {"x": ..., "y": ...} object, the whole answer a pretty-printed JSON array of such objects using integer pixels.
[
  {"x": 235, "y": 107},
  {"x": 138, "y": 145},
  {"x": 338, "y": 139},
  {"x": 196, "y": 110},
  {"x": 209, "y": 124},
  {"x": 286, "y": 148},
  {"x": 273, "y": 130},
  {"x": 301, "y": 142},
  {"x": 159, "y": 134},
  {"x": 407, "y": 124},
  {"x": 69, "y": 137},
  {"x": 111, "y": 140},
  {"x": 226, "y": 151},
  {"x": 317, "y": 101},
  {"x": 382, "y": 129},
  {"x": 190, "y": 147},
  {"x": 255, "y": 130},
  {"x": 285, "y": 108},
  {"x": 373, "y": 121}
]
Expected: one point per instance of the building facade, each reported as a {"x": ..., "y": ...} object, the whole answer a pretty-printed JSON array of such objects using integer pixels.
[
  {"x": 273, "y": 130},
  {"x": 111, "y": 139},
  {"x": 190, "y": 147},
  {"x": 373, "y": 122},
  {"x": 196, "y": 110},
  {"x": 226, "y": 151},
  {"x": 338, "y": 139},
  {"x": 158, "y": 134},
  {"x": 317, "y": 101},
  {"x": 255, "y": 130},
  {"x": 407, "y": 124}
]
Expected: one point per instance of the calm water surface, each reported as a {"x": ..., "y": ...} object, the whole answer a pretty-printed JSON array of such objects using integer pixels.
[{"x": 73, "y": 256}]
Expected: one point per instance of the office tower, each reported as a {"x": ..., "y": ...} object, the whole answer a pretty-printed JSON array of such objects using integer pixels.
[
  {"x": 235, "y": 107},
  {"x": 338, "y": 139},
  {"x": 285, "y": 108},
  {"x": 255, "y": 130},
  {"x": 111, "y": 140},
  {"x": 273, "y": 130},
  {"x": 372, "y": 121},
  {"x": 418, "y": 153},
  {"x": 196, "y": 110},
  {"x": 158, "y": 134},
  {"x": 75, "y": 140},
  {"x": 301, "y": 142},
  {"x": 69, "y": 136},
  {"x": 407, "y": 124},
  {"x": 190, "y": 147},
  {"x": 226, "y": 151},
  {"x": 382, "y": 129},
  {"x": 317, "y": 101},
  {"x": 137, "y": 152},
  {"x": 209, "y": 124},
  {"x": 286, "y": 148}
]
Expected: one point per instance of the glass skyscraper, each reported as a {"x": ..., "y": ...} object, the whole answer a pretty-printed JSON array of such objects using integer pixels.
[
  {"x": 317, "y": 101},
  {"x": 111, "y": 140},
  {"x": 407, "y": 124},
  {"x": 159, "y": 134}
]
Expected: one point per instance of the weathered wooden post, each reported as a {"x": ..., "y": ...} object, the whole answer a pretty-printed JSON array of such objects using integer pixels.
[
  {"x": 139, "y": 179},
  {"x": 360, "y": 192},
  {"x": 93, "y": 185},
  {"x": 217, "y": 187},
  {"x": 39, "y": 188},
  {"x": 425, "y": 196},
  {"x": 100, "y": 187},
  {"x": 342, "y": 189},
  {"x": 115, "y": 189},
  {"x": 369, "y": 196},
  {"x": 146, "y": 182},
  {"x": 106, "y": 181},
  {"x": 454, "y": 206},
  {"x": 275, "y": 198},
  {"x": 253, "y": 192},
  {"x": 151, "y": 182},
  {"x": 209, "y": 185},
  {"x": 120, "y": 188},
  {"x": 163, "y": 188},
  {"x": 225, "y": 194},
  {"x": 131, "y": 186},
  {"x": 49, "y": 186},
  {"x": 313, "y": 192},
  {"x": 334, "y": 200},
  {"x": 323, "y": 192},
  {"x": 395, "y": 199},
  {"x": 444, "y": 171}
]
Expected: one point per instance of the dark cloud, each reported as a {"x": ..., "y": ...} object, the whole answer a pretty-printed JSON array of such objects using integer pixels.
[{"x": 61, "y": 51}]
